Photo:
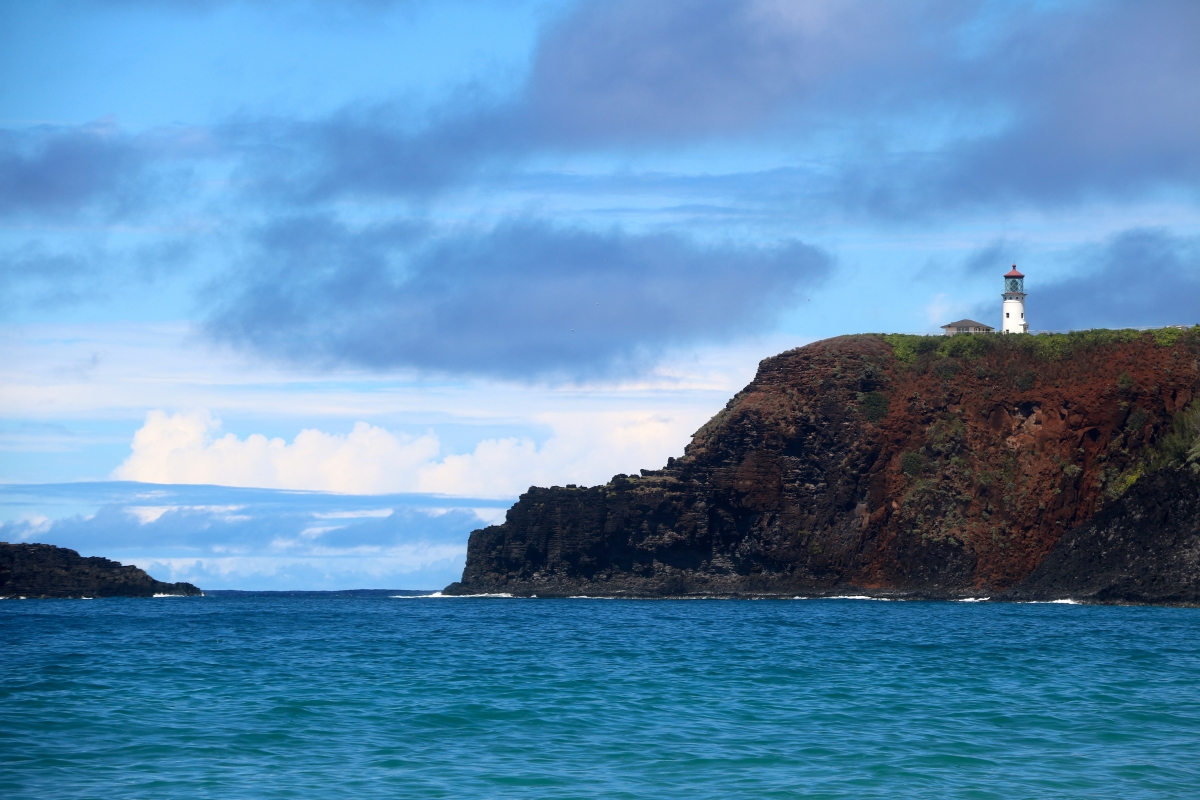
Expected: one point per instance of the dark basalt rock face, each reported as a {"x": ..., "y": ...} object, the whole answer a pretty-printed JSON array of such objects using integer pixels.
[
  {"x": 43, "y": 570},
  {"x": 1144, "y": 548},
  {"x": 904, "y": 466}
]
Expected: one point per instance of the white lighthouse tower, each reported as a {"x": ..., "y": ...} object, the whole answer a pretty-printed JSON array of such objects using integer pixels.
[{"x": 1014, "y": 303}]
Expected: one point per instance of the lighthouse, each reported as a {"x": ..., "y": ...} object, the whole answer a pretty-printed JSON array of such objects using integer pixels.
[{"x": 1013, "y": 320}]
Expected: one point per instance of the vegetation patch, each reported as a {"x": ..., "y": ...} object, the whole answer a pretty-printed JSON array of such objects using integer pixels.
[
  {"x": 947, "y": 435},
  {"x": 1043, "y": 346},
  {"x": 912, "y": 463},
  {"x": 874, "y": 406},
  {"x": 1167, "y": 337},
  {"x": 1179, "y": 446},
  {"x": 946, "y": 368},
  {"x": 1137, "y": 420}
]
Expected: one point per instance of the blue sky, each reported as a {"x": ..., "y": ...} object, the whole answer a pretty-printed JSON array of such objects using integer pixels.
[{"x": 464, "y": 247}]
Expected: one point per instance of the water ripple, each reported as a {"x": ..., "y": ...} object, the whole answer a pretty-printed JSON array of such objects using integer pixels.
[{"x": 323, "y": 696}]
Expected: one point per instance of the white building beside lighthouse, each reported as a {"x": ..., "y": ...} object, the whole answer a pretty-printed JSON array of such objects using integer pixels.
[{"x": 1013, "y": 320}]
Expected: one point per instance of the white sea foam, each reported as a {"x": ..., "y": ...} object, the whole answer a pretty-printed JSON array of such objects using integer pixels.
[
  {"x": 170, "y": 595},
  {"x": 1066, "y": 601},
  {"x": 858, "y": 597},
  {"x": 972, "y": 599},
  {"x": 439, "y": 594}
]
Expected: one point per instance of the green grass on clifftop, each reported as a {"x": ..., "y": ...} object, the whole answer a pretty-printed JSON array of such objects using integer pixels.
[{"x": 1044, "y": 346}]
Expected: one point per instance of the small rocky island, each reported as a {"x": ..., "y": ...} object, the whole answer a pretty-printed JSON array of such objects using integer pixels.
[
  {"x": 970, "y": 466},
  {"x": 43, "y": 570}
]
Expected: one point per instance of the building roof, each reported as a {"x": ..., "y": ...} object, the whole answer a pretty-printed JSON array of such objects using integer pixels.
[
  {"x": 1012, "y": 273},
  {"x": 968, "y": 323}
]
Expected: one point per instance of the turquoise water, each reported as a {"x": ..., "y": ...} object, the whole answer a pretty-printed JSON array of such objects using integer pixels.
[{"x": 329, "y": 696}]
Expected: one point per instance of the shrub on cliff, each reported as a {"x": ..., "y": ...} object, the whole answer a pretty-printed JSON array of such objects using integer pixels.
[
  {"x": 912, "y": 464},
  {"x": 874, "y": 406},
  {"x": 1180, "y": 445}
]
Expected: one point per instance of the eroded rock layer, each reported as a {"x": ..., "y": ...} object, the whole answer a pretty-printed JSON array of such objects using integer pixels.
[
  {"x": 43, "y": 570},
  {"x": 938, "y": 467}
]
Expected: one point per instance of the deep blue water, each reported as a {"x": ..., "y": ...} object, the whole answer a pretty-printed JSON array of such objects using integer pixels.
[{"x": 328, "y": 696}]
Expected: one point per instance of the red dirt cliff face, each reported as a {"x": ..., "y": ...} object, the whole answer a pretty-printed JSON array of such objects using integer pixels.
[{"x": 912, "y": 463}]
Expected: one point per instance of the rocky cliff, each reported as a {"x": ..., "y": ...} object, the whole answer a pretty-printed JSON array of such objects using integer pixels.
[
  {"x": 1144, "y": 548},
  {"x": 43, "y": 570},
  {"x": 928, "y": 466}
]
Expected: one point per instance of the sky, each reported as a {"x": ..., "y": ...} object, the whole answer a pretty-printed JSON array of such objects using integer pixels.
[{"x": 454, "y": 249}]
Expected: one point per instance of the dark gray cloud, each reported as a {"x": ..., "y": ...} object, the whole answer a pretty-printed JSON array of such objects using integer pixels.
[
  {"x": 1139, "y": 278},
  {"x": 937, "y": 106},
  {"x": 522, "y": 300},
  {"x": 623, "y": 75},
  {"x": 1104, "y": 99},
  {"x": 629, "y": 72},
  {"x": 52, "y": 170},
  {"x": 990, "y": 259}
]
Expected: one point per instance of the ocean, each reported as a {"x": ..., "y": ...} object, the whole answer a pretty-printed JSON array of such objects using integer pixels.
[{"x": 330, "y": 695}]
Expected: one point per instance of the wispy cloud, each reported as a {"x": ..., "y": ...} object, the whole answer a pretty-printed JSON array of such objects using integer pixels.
[{"x": 253, "y": 539}]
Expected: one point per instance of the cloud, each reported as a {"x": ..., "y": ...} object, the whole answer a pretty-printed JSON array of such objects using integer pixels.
[
  {"x": 524, "y": 299},
  {"x": 585, "y": 448},
  {"x": 34, "y": 275},
  {"x": 929, "y": 105},
  {"x": 183, "y": 448},
  {"x": 992, "y": 258},
  {"x": 623, "y": 75},
  {"x": 908, "y": 108},
  {"x": 1118, "y": 107},
  {"x": 936, "y": 105},
  {"x": 1139, "y": 278},
  {"x": 627, "y": 72},
  {"x": 1074, "y": 102},
  {"x": 55, "y": 170},
  {"x": 52, "y": 170},
  {"x": 79, "y": 271},
  {"x": 253, "y": 539}
]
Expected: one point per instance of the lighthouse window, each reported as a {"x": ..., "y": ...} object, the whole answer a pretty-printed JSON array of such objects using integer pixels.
[{"x": 1007, "y": 315}]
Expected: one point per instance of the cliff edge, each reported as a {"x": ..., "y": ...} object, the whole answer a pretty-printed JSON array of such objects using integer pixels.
[
  {"x": 908, "y": 465},
  {"x": 43, "y": 570}
]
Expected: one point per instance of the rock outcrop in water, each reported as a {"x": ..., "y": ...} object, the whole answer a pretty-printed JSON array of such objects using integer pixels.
[
  {"x": 43, "y": 570},
  {"x": 919, "y": 466}
]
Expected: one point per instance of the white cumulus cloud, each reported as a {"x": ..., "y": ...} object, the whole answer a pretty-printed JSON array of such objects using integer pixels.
[
  {"x": 585, "y": 448},
  {"x": 185, "y": 448}
]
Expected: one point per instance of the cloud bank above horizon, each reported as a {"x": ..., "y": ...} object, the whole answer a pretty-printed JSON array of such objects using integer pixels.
[
  {"x": 254, "y": 539},
  {"x": 186, "y": 448},
  {"x": 635, "y": 177},
  {"x": 473, "y": 245}
]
